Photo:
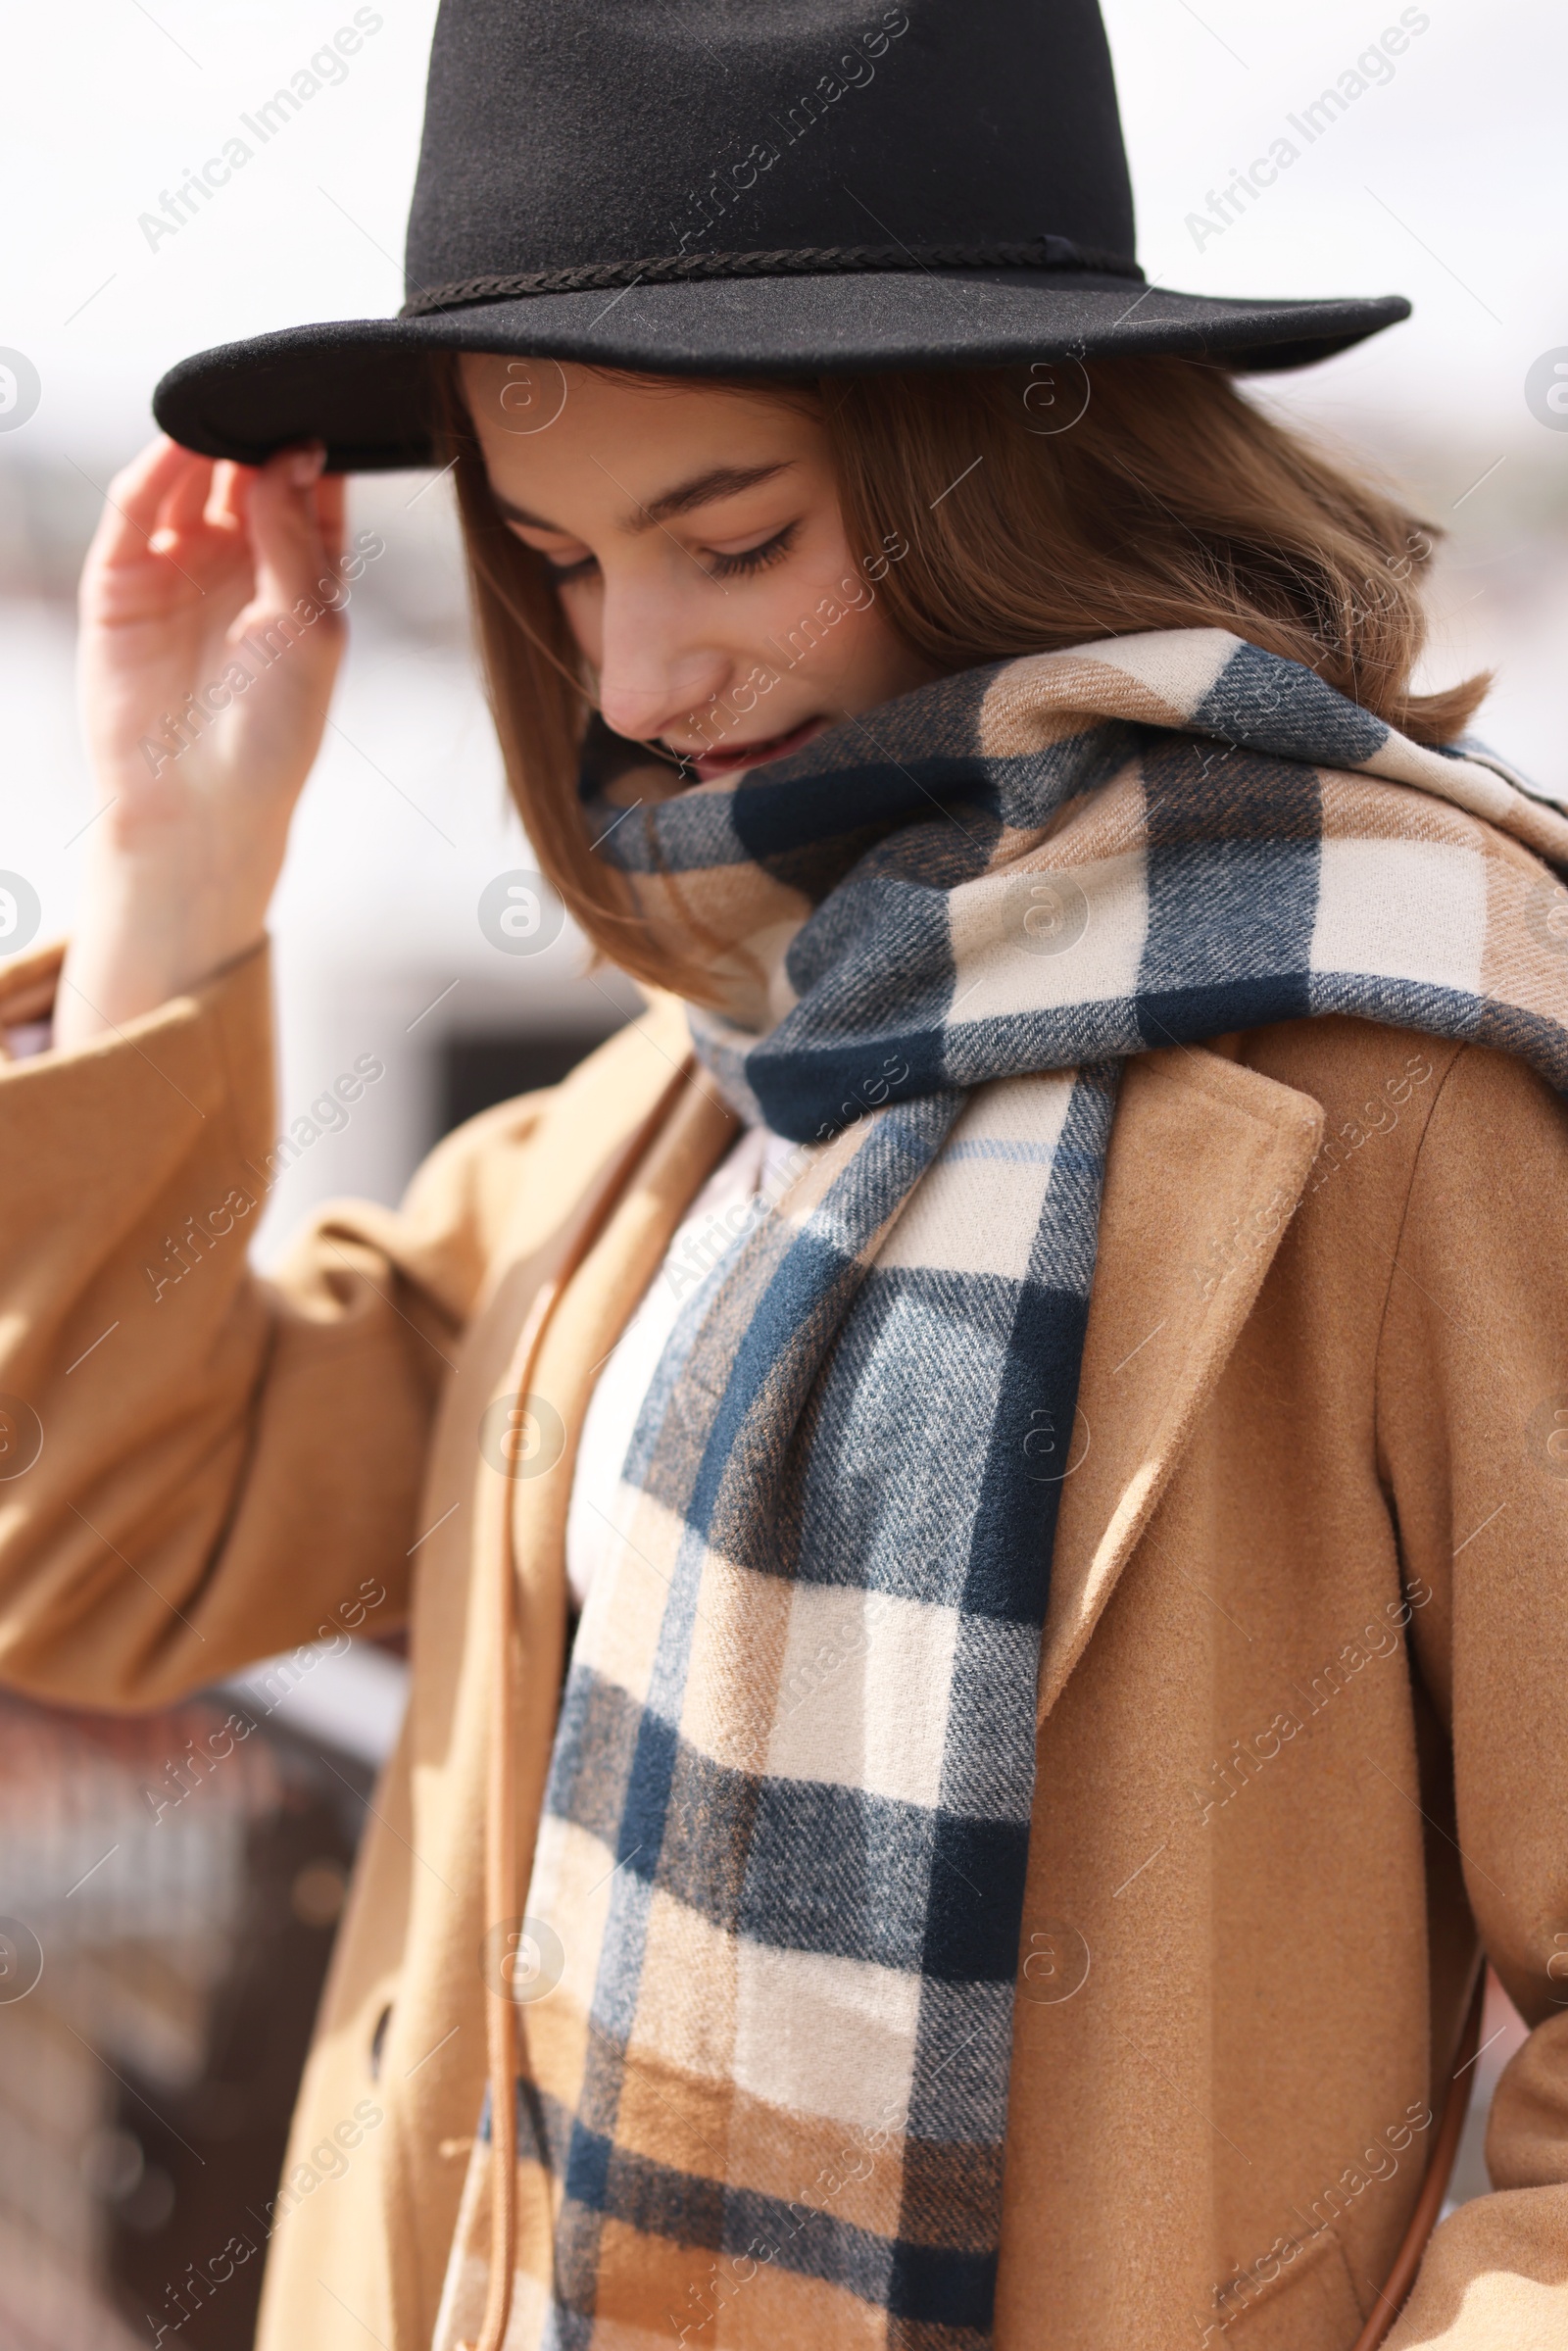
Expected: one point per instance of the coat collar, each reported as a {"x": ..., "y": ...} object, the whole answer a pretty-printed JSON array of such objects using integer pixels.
[{"x": 1206, "y": 1164}]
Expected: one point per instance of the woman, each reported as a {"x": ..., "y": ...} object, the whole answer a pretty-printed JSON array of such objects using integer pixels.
[{"x": 1022, "y": 1396}]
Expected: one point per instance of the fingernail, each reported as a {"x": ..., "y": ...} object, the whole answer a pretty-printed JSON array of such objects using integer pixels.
[{"x": 306, "y": 464}]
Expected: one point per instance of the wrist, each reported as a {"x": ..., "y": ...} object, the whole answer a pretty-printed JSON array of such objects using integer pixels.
[{"x": 151, "y": 928}]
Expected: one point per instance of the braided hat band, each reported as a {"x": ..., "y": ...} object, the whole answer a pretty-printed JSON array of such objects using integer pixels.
[{"x": 808, "y": 261}]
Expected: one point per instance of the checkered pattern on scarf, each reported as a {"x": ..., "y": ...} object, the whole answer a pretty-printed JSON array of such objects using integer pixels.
[{"x": 786, "y": 1827}]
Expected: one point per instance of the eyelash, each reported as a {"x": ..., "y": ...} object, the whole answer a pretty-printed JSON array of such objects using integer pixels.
[
  {"x": 754, "y": 559},
  {"x": 750, "y": 559}
]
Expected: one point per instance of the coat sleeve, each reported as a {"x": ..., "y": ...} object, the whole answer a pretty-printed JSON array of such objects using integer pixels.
[
  {"x": 197, "y": 1466},
  {"x": 1473, "y": 1421}
]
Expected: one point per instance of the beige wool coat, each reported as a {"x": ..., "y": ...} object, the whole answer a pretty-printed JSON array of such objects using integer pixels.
[{"x": 1303, "y": 1717}]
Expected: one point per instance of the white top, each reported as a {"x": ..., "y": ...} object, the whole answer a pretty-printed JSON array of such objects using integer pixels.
[{"x": 737, "y": 1195}]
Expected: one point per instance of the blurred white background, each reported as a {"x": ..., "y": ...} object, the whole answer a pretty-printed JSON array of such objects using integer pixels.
[{"x": 1447, "y": 182}]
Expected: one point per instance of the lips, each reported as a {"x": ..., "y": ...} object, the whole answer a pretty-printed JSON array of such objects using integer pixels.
[{"x": 707, "y": 766}]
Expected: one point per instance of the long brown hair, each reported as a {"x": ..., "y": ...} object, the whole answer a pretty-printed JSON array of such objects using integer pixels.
[{"x": 1172, "y": 503}]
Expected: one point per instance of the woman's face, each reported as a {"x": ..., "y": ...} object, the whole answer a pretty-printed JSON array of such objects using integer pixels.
[{"x": 699, "y": 553}]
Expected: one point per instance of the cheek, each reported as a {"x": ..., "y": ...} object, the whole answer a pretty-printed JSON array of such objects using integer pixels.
[
  {"x": 857, "y": 653},
  {"x": 829, "y": 598}
]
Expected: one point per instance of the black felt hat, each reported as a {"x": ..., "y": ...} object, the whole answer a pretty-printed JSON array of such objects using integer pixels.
[{"x": 705, "y": 187}]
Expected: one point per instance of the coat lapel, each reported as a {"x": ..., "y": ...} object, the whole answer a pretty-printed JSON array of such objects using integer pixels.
[{"x": 1206, "y": 1164}]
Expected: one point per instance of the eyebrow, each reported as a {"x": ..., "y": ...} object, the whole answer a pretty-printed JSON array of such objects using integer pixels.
[{"x": 703, "y": 489}]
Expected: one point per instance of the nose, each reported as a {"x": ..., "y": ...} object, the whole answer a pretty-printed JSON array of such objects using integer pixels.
[{"x": 659, "y": 665}]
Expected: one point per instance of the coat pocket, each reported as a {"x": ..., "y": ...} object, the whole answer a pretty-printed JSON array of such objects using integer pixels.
[{"x": 1310, "y": 2305}]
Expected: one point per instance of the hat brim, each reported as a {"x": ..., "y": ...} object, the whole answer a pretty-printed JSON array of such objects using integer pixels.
[{"x": 362, "y": 385}]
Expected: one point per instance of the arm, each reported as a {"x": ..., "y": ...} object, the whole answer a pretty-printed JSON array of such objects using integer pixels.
[
  {"x": 202, "y": 1467},
  {"x": 195, "y": 1467},
  {"x": 1473, "y": 1376}
]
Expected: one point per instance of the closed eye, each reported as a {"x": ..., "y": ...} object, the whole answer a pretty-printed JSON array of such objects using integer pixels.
[
  {"x": 754, "y": 559},
  {"x": 740, "y": 566},
  {"x": 580, "y": 570}
]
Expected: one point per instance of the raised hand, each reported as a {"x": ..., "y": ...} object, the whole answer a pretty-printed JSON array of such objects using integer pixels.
[{"x": 211, "y": 635}]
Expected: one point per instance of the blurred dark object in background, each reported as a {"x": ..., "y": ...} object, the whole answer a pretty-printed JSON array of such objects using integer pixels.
[
  {"x": 479, "y": 1071},
  {"x": 181, "y": 1874}
]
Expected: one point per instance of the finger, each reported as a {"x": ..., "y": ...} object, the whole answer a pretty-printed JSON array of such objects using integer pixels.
[
  {"x": 332, "y": 507},
  {"x": 182, "y": 507},
  {"x": 132, "y": 499},
  {"x": 285, "y": 535},
  {"x": 230, "y": 496}
]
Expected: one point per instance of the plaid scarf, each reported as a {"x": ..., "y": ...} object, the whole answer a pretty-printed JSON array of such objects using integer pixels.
[{"x": 781, "y": 1866}]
